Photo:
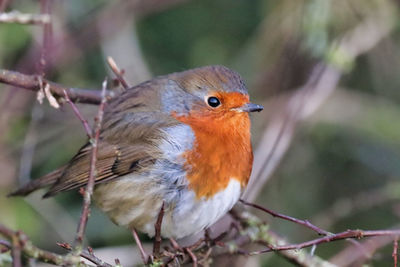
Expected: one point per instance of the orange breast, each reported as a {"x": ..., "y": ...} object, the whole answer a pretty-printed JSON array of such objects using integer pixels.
[{"x": 222, "y": 151}]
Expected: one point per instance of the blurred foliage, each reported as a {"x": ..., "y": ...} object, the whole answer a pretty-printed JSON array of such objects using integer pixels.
[{"x": 351, "y": 146}]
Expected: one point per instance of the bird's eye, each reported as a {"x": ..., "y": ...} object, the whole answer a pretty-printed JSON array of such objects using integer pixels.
[{"x": 213, "y": 102}]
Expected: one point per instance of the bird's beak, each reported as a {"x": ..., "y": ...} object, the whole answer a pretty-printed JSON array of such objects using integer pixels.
[{"x": 250, "y": 107}]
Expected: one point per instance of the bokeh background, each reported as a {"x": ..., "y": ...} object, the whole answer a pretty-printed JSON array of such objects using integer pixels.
[{"x": 328, "y": 151}]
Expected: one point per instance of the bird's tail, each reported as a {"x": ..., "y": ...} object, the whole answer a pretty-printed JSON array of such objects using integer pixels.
[{"x": 44, "y": 181}]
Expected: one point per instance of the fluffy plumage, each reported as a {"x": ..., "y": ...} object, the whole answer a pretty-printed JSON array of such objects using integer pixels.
[{"x": 161, "y": 142}]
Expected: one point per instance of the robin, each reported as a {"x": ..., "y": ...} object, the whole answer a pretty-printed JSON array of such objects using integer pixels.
[{"x": 181, "y": 141}]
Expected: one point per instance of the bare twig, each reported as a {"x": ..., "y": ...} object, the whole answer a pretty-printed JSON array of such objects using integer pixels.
[
  {"x": 89, "y": 255},
  {"x": 157, "y": 230},
  {"x": 192, "y": 256},
  {"x": 117, "y": 72},
  {"x": 334, "y": 237},
  {"x": 30, "y": 250},
  {"x": 31, "y": 82},
  {"x": 46, "y": 7},
  {"x": 92, "y": 173},
  {"x": 16, "y": 250},
  {"x": 23, "y": 18},
  {"x": 143, "y": 253},
  {"x": 305, "y": 223},
  {"x": 84, "y": 122}
]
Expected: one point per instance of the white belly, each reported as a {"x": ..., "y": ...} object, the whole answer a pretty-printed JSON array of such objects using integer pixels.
[{"x": 192, "y": 215}]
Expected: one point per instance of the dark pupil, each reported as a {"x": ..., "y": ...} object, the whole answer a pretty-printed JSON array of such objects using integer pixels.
[{"x": 213, "y": 102}]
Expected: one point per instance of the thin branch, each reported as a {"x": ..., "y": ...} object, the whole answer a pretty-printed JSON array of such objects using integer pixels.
[
  {"x": 31, "y": 82},
  {"x": 87, "y": 255},
  {"x": 118, "y": 73},
  {"x": 24, "y": 18},
  {"x": 334, "y": 237},
  {"x": 16, "y": 251},
  {"x": 192, "y": 256},
  {"x": 92, "y": 173},
  {"x": 46, "y": 8},
  {"x": 157, "y": 230},
  {"x": 305, "y": 223},
  {"x": 84, "y": 122},
  {"x": 30, "y": 250},
  {"x": 143, "y": 253}
]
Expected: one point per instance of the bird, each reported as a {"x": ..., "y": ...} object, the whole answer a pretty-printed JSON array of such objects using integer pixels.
[{"x": 179, "y": 141}]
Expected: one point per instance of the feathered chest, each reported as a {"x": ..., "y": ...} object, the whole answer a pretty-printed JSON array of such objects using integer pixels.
[{"x": 221, "y": 152}]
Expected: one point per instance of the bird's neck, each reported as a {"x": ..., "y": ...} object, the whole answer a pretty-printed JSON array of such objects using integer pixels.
[{"x": 221, "y": 152}]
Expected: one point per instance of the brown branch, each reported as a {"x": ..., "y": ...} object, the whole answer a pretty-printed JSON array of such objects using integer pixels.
[
  {"x": 305, "y": 223},
  {"x": 143, "y": 253},
  {"x": 84, "y": 122},
  {"x": 31, "y": 82},
  {"x": 87, "y": 255},
  {"x": 23, "y": 18},
  {"x": 16, "y": 250},
  {"x": 92, "y": 173},
  {"x": 118, "y": 73},
  {"x": 157, "y": 230},
  {"x": 46, "y": 8},
  {"x": 30, "y": 250},
  {"x": 358, "y": 234}
]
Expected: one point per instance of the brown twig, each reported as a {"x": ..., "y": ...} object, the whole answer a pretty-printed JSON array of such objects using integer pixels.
[
  {"x": 23, "y": 18},
  {"x": 89, "y": 255},
  {"x": 118, "y": 73},
  {"x": 46, "y": 7},
  {"x": 334, "y": 237},
  {"x": 157, "y": 230},
  {"x": 143, "y": 253},
  {"x": 16, "y": 250},
  {"x": 84, "y": 122},
  {"x": 92, "y": 173},
  {"x": 31, "y": 82},
  {"x": 305, "y": 223},
  {"x": 395, "y": 249},
  {"x": 31, "y": 251},
  {"x": 192, "y": 256}
]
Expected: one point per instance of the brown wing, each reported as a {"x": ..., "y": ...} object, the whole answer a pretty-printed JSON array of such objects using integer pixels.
[
  {"x": 113, "y": 161},
  {"x": 130, "y": 134}
]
